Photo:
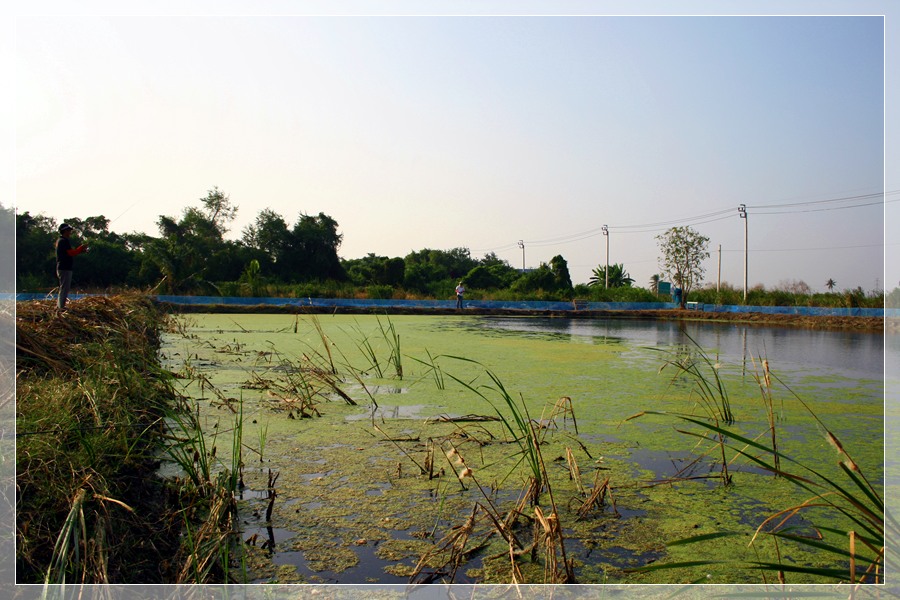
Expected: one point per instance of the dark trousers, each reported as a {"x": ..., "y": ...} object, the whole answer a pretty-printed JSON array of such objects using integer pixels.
[{"x": 65, "y": 282}]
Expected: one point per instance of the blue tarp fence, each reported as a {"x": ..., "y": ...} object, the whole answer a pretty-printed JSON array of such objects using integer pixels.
[{"x": 577, "y": 305}]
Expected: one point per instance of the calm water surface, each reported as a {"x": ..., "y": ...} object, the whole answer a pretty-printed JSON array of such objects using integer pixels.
[{"x": 849, "y": 354}]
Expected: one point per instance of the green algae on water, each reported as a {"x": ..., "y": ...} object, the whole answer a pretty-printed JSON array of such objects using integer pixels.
[{"x": 378, "y": 473}]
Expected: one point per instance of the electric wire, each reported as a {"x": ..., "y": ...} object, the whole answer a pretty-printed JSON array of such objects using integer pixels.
[
  {"x": 858, "y": 201},
  {"x": 808, "y": 210},
  {"x": 844, "y": 199},
  {"x": 825, "y": 248}
]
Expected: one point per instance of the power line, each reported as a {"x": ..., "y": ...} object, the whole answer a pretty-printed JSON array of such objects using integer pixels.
[
  {"x": 788, "y": 212},
  {"x": 729, "y": 211},
  {"x": 704, "y": 218},
  {"x": 806, "y": 249},
  {"x": 844, "y": 199},
  {"x": 730, "y": 214}
]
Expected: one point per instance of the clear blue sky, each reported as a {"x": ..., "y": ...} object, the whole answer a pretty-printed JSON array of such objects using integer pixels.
[{"x": 477, "y": 131}]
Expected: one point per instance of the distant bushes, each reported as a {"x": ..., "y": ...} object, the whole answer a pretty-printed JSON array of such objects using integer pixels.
[
  {"x": 595, "y": 293},
  {"x": 760, "y": 296},
  {"x": 444, "y": 290}
]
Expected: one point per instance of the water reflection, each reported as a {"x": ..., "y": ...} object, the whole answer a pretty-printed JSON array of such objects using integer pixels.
[{"x": 849, "y": 353}]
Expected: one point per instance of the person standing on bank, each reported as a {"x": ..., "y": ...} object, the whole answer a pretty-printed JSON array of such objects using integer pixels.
[
  {"x": 65, "y": 260},
  {"x": 460, "y": 290}
]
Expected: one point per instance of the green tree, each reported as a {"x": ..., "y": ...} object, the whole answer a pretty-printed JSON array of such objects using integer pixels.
[
  {"x": 113, "y": 259},
  {"x": 269, "y": 235},
  {"x": 427, "y": 268},
  {"x": 109, "y": 263},
  {"x": 830, "y": 284},
  {"x": 305, "y": 252},
  {"x": 35, "y": 255},
  {"x": 493, "y": 275},
  {"x": 192, "y": 253},
  {"x": 375, "y": 270},
  {"x": 91, "y": 227},
  {"x": 560, "y": 269},
  {"x": 618, "y": 277},
  {"x": 540, "y": 279},
  {"x": 683, "y": 252},
  {"x": 550, "y": 278},
  {"x": 483, "y": 278},
  {"x": 312, "y": 250},
  {"x": 218, "y": 210},
  {"x": 251, "y": 280},
  {"x": 491, "y": 259}
]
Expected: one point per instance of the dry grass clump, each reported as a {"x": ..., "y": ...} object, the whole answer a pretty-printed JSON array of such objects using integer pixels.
[
  {"x": 46, "y": 342},
  {"x": 89, "y": 405}
]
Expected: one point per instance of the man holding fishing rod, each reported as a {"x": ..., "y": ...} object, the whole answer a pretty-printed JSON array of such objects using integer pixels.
[{"x": 65, "y": 260}]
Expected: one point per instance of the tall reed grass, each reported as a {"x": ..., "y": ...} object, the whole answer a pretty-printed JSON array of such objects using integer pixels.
[
  {"x": 856, "y": 547},
  {"x": 90, "y": 403},
  {"x": 515, "y": 420}
]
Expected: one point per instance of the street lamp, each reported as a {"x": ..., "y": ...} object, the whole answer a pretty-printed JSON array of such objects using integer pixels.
[{"x": 606, "y": 235}]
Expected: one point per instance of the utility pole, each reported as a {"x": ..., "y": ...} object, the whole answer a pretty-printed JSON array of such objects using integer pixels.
[
  {"x": 719, "y": 276},
  {"x": 522, "y": 246},
  {"x": 606, "y": 235},
  {"x": 742, "y": 211}
]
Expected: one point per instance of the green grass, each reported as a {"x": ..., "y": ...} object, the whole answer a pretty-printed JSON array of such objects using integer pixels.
[
  {"x": 88, "y": 428},
  {"x": 92, "y": 411}
]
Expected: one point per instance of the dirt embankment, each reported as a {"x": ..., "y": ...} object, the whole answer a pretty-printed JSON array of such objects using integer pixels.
[
  {"x": 869, "y": 324},
  {"x": 873, "y": 324}
]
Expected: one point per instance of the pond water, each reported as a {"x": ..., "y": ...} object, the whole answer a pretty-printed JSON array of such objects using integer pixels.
[
  {"x": 851, "y": 354},
  {"x": 349, "y": 410}
]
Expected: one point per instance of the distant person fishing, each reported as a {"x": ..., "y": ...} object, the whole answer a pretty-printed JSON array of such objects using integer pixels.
[
  {"x": 65, "y": 261},
  {"x": 460, "y": 290}
]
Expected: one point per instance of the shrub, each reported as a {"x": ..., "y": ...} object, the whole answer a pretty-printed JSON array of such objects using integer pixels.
[
  {"x": 595, "y": 293},
  {"x": 36, "y": 283},
  {"x": 323, "y": 289},
  {"x": 726, "y": 295},
  {"x": 380, "y": 292}
]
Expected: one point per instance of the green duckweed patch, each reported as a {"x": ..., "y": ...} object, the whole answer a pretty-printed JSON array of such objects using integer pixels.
[{"x": 369, "y": 467}]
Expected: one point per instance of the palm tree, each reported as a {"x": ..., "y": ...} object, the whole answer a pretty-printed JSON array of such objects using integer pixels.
[
  {"x": 830, "y": 284},
  {"x": 654, "y": 283},
  {"x": 617, "y": 276}
]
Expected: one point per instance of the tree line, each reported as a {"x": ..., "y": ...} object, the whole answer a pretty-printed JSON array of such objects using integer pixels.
[
  {"x": 274, "y": 258},
  {"x": 192, "y": 256}
]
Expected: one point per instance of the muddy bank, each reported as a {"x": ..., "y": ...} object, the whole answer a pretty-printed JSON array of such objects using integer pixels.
[{"x": 873, "y": 324}]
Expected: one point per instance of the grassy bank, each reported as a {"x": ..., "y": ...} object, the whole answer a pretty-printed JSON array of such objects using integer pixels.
[{"x": 92, "y": 423}]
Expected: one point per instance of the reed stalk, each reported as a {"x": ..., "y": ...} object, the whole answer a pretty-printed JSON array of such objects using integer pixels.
[
  {"x": 326, "y": 344},
  {"x": 364, "y": 345},
  {"x": 516, "y": 421},
  {"x": 433, "y": 368},
  {"x": 708, "y": 387},
  {"x": 71, "y": 545},
  {"x": 262, "y": 434},
  {"x": 392, "y": 338},
  {"x": 850, "y": 499}
]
